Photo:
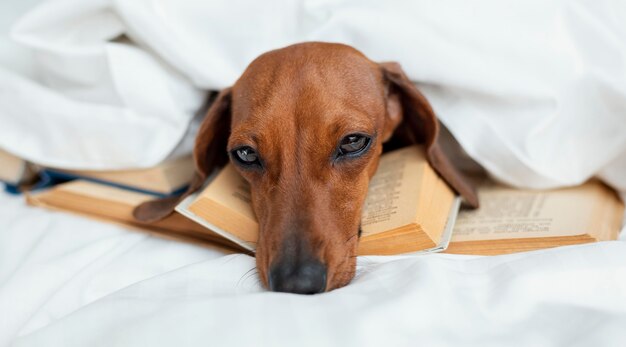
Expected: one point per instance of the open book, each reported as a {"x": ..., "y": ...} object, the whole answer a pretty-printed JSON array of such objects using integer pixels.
[
  {"x": 513, "y": 220},
  {"x": 408, "y": 208}
]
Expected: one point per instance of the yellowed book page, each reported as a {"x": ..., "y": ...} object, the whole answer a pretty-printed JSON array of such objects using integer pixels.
[
  {"x": 393, "y": 201},
  {"x": 608, "y": 219},
  {"x": 225, "y": 203},
  {"x": 393, "y": 198},
  {"x": 433, "y": 220},
  {"x": 507, "y": 213},
  {"x": 396, "y": 183},
  {"x": 231, "y": 191}
]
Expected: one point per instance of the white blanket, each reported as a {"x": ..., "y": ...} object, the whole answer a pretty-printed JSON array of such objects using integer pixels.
[
  {"x": 535, "y": 91},
  {"x": 68, "y": 281}
]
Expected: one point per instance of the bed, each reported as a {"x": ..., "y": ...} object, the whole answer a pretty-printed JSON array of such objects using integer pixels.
[
  {"x": 533, "y": 91},
  {"x": 70, "y": 281}
]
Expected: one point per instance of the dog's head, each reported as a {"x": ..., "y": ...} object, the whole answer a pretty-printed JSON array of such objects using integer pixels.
[{"x": 305, "y": 126}]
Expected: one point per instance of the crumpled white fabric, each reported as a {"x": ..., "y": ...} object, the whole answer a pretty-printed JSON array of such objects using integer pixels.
[
  {"x": 68, "y": 281},
  {"x": 95, "y": 101},
  {"x": 535, "y": 91}
]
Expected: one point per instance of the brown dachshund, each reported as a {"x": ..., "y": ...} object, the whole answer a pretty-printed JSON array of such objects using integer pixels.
[{"x": 305, "y": 125}]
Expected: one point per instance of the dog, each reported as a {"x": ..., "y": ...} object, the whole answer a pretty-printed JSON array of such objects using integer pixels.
[{"x": 305, "y": 126}]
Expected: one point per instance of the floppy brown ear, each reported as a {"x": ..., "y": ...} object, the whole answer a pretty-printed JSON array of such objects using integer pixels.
[
  {"x": 209, "y": 154},
  {"x": 415, "y": 122}
]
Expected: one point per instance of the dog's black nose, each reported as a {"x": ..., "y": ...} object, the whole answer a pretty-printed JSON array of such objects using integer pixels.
[{"x": 307, "y": 277}]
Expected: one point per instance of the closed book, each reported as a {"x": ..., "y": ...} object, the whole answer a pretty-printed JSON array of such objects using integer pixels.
[
  {"x": 114, "y": 204},
  {"x": 168, "y": 178}
]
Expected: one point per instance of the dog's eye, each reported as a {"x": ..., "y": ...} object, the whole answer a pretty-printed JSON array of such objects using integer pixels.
[
  {"x": 246, "y": 155},
  {"x": 353, "y": 144}
]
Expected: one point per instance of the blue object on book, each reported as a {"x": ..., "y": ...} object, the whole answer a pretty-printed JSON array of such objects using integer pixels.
[
  {"x": 11, "y": 188},
  {"x": 43, "y": 182},
  {"x": 53, "y": 177}
]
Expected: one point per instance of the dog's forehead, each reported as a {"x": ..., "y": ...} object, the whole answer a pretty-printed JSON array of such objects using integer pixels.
[
  {"x": 314, "y": 85},
  {"x": 309, "y": 61}
]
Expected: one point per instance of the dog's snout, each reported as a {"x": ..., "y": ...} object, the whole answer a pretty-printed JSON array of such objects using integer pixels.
[{"x": 308, "y": 277}]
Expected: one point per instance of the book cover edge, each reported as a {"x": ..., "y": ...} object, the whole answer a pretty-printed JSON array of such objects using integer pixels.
[
  {"x": 183, "y": 208},
  {"x": 446, "y": 237}
]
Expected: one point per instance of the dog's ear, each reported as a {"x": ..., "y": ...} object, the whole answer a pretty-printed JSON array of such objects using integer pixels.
[
  {"x": 210, "y": 148},
  {"x": 209, "y": 153},
  {"x": 410, "y": 119}
]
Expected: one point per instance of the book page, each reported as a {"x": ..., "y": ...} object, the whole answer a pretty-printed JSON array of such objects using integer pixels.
[
  {"x": 395, "y": 186},
  {"x": 231, "y": 190},
  {"x": 507, "y": 213},
  {"x": 402, "y": 186}
]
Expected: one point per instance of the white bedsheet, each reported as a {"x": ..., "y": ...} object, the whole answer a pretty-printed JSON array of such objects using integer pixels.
[
  {"x": 70, "y": 281},
  {"x": 534, "y": 90}
]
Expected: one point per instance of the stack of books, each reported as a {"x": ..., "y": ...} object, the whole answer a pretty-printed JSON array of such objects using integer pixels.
[
  {"x": 108, "y": 195},
  {"x": 408, "y": 209}
]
